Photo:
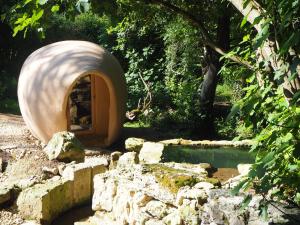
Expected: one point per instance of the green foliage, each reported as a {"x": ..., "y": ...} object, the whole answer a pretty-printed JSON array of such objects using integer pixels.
[{"x": 271, "y": 108}]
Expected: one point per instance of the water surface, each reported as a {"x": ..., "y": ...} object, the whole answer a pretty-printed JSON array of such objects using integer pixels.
[{"x": 224, "y": 157}]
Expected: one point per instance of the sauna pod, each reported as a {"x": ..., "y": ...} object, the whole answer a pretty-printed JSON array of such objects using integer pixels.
[{"x": 76, "y": 86}]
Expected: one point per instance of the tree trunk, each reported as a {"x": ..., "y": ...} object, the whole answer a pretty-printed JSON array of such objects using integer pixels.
[{"x": 209, "y": 84}]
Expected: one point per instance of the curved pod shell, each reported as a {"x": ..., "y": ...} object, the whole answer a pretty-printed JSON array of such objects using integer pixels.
[{"x": 48, "y": 76}]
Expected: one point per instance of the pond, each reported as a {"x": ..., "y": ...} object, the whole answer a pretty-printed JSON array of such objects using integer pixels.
[{"x": 222, "y": 157}]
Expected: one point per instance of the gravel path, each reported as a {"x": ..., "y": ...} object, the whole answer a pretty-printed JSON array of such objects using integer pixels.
[{"x": 22, "y": 158}]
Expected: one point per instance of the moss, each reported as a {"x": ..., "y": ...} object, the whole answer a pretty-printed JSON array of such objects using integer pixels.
[
  {"x": 172, "y": 179},
  {"x": 213, "y": 181}
]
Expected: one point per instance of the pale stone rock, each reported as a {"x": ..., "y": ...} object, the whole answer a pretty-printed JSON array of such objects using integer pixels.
[
  {"x": 98, "y": 165},
  {"x": 192, "y": 168},
  {"x": 191, "y": 193},
  {"x": 204, "y": 185},
  {"x": 171, "y": 141},
  {"x": 157, "y": 209},
  {"x": 53, "y": 171},
  {"x": 141, "y": 199},
  {"x": 122, "y": 205},
  {"x": 61, "y": 168},
  {"x": 114, "y": 157},
  {"x": 127, "y": 159},
  {"x": 30, "y": 222},
  {"x": 64, "y": 146},
  {"x": 5, "y": 195},
  {"x": 81, "y": 175},
  {"x": 189, "y": 215},
  {"x": 244, "y": 169},
  {"x": 151, "y": 152},
  {"x": 134, "y": 144},
  {"x": 173, "y": 219},
  {"x": 27, "y": 182},
  {"x": 104, "y": 193},
  {"x": 44, "y": 202},
  {"x": 154, "y": 222}
]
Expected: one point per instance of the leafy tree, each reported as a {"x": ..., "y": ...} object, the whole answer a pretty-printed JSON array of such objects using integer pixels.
[{"x": 271, "y": 105}]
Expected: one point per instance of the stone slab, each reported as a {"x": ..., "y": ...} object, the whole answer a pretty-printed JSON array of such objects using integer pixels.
[
  {"x": 44, "y": 202},
  {"x": 81, "y": 175}
]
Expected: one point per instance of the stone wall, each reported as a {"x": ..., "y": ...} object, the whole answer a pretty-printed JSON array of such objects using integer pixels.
[{"x": 169, "y": 194}]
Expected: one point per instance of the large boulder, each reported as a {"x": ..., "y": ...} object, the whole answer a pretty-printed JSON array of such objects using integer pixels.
[{"x": 64, "y": 146}]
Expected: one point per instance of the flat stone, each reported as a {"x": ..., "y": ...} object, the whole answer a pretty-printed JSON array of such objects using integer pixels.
[
  {"x": 134, "y": 144},
  {"x": 171, "y": 141},
  {"x": 30, "y": 222},
  {"x": 81, "y": 175},
  {"x": 44, "y": 202},
  {"x": 151, "y": 152}
]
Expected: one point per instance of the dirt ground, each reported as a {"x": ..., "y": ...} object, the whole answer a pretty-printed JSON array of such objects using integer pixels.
[{"x": 22, "y": 158}]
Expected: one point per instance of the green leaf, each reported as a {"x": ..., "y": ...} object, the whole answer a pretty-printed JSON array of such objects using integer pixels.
[
  {"x": 246, "y": 202},
  {"x": 238, "y": 187},
  {"x": 244, "y": 21},
  {"x": 263, "y": 211},
  {"x": 55, "y": 8},
  {"x": 234, "y": 110}
]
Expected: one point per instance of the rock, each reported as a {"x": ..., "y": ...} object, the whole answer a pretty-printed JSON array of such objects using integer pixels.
[
  {"x": 127, "y": 159},
  {"x": 154, "y": 222},
  {"x": 244, "y": 169},
  {"x": 134, "y": 144},
  {"x": 98, "y": 165},
  {"x": 189, "y": 215},
  {"x": 61, "y": 168},
  {"x": 30, "y": 222},
  {"x": 204, "y": 185},
  {"x": 81, "y": 175},
  {"x": 65, "y": 146},
  {"x": 53, "y": 171},
  {"x": 114, "y": 157},
  {"x": 141, "y": 199},
  {"x": 104, "y": 192},
  {"x": 27, "y": 182},
  {"x": 171, "y": 142},
  {"x": 173, "y": 219},
  {"x": 151, "y": 152},
  {"x": 44, "y": 202},
  {"x": 191, "y": 194},
  {"x": 5, "y": 195},
  {"x": 157, "y": 209}
]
